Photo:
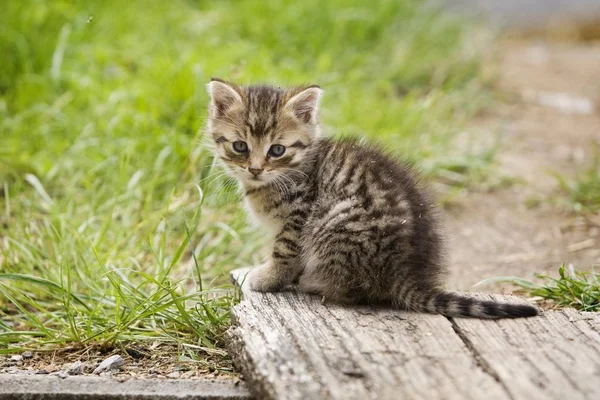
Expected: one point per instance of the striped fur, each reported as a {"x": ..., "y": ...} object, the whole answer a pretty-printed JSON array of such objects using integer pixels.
[{"x": 349, "y": 222}]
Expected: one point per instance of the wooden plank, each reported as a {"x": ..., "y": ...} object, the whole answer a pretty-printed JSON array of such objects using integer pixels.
[
  {"x": 555, "y": 356},
  {"x": 290, "y": 346}
]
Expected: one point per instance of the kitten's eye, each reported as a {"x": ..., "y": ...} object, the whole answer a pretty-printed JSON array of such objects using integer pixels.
[
  {"x": 276, "y": 150},
  {"x": 240, "y": 147}
]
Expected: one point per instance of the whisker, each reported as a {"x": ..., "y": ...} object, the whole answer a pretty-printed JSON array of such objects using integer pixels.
[
  {"x": 298, "y": 172},
  {"x": 215, "y": 179},
  {"x": 292, "y": 182},
  {"x": 229, "y": 183},
  {"x": 215, "y": 174},
  {"x": 282, "y": 184}
]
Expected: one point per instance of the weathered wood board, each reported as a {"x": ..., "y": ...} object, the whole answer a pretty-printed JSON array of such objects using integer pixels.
[
  {"x": 291, "y": 346},
  {"x": 555, "y": 356}
]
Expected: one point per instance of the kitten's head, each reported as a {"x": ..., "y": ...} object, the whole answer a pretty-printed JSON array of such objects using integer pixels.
[{"x": 262, "y": 132}]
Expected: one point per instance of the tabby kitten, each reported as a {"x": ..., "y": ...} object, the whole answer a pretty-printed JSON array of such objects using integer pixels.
[{"x": 349, "y": 222}]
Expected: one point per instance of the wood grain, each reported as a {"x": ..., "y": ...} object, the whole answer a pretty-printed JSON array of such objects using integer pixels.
[
  {"x": 554, "y": 356},
  {"x": 291, "y": 346}
]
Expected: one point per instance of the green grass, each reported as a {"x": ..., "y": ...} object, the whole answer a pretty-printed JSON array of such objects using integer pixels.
[
  {"x": 576, "y": 289},
  {"x": 581, "y": 193},
  {"x": 116, "y": 226}
]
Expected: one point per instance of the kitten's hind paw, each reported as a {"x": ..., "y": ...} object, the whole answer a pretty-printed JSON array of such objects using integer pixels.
[
  {"x": 309, "y": 285},
  {"x": 265, "y": 279}
]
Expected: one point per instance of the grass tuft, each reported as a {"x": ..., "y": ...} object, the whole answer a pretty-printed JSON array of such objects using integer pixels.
[
  {"x": 576, "y": 289},
  {"x": 583, "y": 191}
]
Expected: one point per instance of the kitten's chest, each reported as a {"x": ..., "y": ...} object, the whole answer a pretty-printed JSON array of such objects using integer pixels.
[{"x": 265, "y": 214}]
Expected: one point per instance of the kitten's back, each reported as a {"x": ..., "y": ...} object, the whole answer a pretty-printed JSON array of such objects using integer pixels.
[{"x": 373, "y": 236}]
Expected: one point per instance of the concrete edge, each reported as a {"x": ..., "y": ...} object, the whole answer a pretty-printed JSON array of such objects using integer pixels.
[{"x": 21, "y": 386}]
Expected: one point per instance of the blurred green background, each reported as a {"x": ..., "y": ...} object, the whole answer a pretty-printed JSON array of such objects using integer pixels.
[{"x": 116, "y": 224}]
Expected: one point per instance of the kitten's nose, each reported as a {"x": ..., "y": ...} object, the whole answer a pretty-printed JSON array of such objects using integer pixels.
[{"x": 255, "y": 171}]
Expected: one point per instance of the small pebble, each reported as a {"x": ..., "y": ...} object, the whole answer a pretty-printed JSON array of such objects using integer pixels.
[
  {"x": 41, "y": 372},
  {"x": 16, "y": 358},
  {"x": 76, "y": 368},
  {"x": 187, "y": 375},
  {"x": 27, "y": 355},
  {"x": 173, "y": 375},
  {"x": 110, "y": 364},
  {"x": 62, "y": 375}
]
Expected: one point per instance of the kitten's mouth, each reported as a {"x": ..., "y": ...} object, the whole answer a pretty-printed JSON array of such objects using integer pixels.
[{"x": 255, "y": 180}]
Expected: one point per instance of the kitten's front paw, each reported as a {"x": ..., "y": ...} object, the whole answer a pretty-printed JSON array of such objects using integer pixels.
[{"x": 265, "y": 279}]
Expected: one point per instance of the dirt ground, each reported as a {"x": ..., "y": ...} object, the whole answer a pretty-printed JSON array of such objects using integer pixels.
[
  {"x": 549, "y": 120},
  {"x": 155, "y": 361}
]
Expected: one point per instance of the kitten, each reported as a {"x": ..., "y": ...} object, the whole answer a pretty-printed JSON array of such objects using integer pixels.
[{"x": 349, "y": 222}]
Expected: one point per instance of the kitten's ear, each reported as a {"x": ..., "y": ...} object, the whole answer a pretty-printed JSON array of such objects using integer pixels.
[
  {"x": 223, "y": 96},
  {"x": 305, "y": 104}
]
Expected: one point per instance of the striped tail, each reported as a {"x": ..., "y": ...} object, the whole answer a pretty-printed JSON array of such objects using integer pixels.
[{"x": 459, "y": 305}]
